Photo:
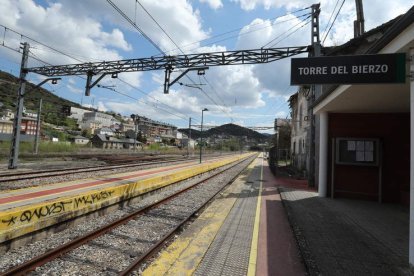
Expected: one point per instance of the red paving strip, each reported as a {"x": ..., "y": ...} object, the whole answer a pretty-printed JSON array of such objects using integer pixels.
[
  {"x": 278, "y": 253},
  {"x": 81, "y": 185}
]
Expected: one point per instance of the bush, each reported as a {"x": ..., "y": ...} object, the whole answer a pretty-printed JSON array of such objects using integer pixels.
[{"x": 49, "y": 147}]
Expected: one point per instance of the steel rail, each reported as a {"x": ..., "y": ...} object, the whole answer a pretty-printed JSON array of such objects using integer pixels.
[
  {"x": 40, "y": 260},
  {"x": 61, "y": 172},
  {"x": 155, "y": 248}
]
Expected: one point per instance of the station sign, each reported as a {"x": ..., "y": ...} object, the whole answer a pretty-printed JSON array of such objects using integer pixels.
[{"x": 355, "y": 69}]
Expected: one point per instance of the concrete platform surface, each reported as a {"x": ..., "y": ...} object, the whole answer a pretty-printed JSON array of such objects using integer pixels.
[
  {"x": 298, "y": 233},
  {"x": 244, "y": 232}
]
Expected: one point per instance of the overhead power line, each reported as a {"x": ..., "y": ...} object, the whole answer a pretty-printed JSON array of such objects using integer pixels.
[
  {"x": 240, "y": 28},
  {"x": 333, "y": 22},
  {"x": 149, "y": 39},
  {"x": 36, "y": 41},
  {"x": 35, "y": 57},
  {"x": 162, "y": 29},
  {"x": 178, "y": 47},
  {"x": 330, "y": 17},
  {"x": 135, "y": 25},
  {"x": 282, "y": 34},
  {"x": 144, "y": 102}
]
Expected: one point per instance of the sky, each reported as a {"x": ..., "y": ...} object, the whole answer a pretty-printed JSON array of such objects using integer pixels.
[{"x": 78, "y": 31}]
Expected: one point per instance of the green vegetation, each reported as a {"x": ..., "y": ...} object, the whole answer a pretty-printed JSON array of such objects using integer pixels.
[
  {"x": 155, "y": 146},
  {"x": 229, "y": 130},
  {"x": 52, "y": 105},
  {"x": 44, "y": 147},
  {"x": 50, "y": 132},
  {"x": 49, "y": 147}
]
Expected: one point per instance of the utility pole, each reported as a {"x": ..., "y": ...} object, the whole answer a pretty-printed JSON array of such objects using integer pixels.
[
  {"x": 189, "y": 137},
  {"x": 135, "y": 118},
  {"x": 39, "y": 111},
  {"x": 201, "y": 133},
  {"x": 359, "y": 23},
  {"x": 315, "y": 92},
  {"x": 14, "y": 150}
]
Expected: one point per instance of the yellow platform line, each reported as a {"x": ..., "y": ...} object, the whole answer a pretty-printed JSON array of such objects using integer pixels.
[
  {"x": 253, "y": 249},
  {"x": 184, "y": 255},
  {"x": 25, "y": 219}
]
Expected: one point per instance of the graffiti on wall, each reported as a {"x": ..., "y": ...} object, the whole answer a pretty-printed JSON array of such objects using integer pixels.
[{"x": 31, "y": 215}]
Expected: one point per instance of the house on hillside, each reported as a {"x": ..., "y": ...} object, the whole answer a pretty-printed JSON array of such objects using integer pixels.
[
  {"x": 8, "y": 114},
  {"x": 105, "y": 120},
  {"x": 77, "y": 113},
  {"x": 80, "y": 140},
  {"x": 105, "y": 131},
  {"x": 107, "y": 142}
]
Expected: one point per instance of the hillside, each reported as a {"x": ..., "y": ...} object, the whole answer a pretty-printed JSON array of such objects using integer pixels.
[
  {"x": 52, "y": 104},
  {"x": 228, "y": 129}
]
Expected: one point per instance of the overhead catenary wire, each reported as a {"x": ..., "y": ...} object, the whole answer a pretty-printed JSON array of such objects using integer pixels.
[
  {"x": 142, "y": 101},
  {"x": 287, "y": 31},
  {"x": 135, "y": 26},
  {"x": 36, "y": 41},
  {"x": 163, "y": 30},
  {"x": 202, "y": 90},
  {"x": 333, "y": 22},
  {"x": 240, "y": 28},
  {"x": 160, "y": 49},
  {"x": 33, "y": 56},
  {"x": 330, "y": 17},
  {"x": 124, "y": 94}
]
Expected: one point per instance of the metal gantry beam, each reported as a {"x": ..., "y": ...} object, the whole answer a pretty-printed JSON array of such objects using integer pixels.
[
  {"x": 249, "y": 127},
  {"x": 264, "y": 55}
]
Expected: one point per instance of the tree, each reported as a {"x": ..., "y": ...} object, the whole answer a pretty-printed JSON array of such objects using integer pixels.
[
  {"x": 71, "y": 123},
  {"x": 87, "y": 133}
]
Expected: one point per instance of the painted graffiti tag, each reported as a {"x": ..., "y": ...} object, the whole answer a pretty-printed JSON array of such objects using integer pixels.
[
  {"x": 91, "y": 199},
  {"x": 44, "y": 211},
  {"x": 56, "y": 208},
  {"x": 10, "y": 221},
  {"x": 38, "y": 213}
]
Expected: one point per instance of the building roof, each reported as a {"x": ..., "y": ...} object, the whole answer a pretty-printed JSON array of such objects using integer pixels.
[
  {"x": 360, "y": 44},
  {"x": 80, "y": 137},
  {"x": 105, "y": 138},
  {"x": 370, "y": 42}
]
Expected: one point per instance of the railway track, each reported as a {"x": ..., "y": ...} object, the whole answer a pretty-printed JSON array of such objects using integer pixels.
[
  {"x": 61, "y": 172},
  {"x": 121, "y": 247}
]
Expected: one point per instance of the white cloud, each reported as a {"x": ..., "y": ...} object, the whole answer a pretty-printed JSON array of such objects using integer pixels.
[
  {"x": 74, "y": 89},
  {"x": 101, "y": 106},
  {"x": 178, "y": 18},
  {"x": 92, "y": 30},
  {"x": 375, "y": 12},
  {"x": 81, "y": 37},
  {"x": 214, "y": 4},
  {"x": 273, "y": 78}
]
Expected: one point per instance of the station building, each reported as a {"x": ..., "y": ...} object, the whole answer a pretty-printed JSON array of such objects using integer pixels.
[{"x": 366, "y": 131}]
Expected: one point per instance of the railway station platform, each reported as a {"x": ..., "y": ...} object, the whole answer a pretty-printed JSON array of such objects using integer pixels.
[
  {"x": 24, "y": 211},
  {"x": 267, "y": 225}
]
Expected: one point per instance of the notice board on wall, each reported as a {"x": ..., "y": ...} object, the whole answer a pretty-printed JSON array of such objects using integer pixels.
[{"x": 357, "y": 151}]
